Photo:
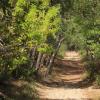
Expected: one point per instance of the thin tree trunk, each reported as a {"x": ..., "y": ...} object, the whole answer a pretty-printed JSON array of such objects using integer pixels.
[
  {"x": 42, "y": 60},
  {"x": 32, "y": 56},
  {"x": 38, "y": 61},
  {"x": 49, "y": 67},
  {"x": 49, "y": 70},
  {"x": 47, "y": 60}
]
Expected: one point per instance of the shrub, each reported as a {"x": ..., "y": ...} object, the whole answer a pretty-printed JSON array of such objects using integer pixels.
[
  {"x": 98, "y": 79},
  {"x": 93, "y": 71}
]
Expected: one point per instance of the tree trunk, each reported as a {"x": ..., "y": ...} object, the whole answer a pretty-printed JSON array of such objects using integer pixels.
[
  {"x": 42, "y": 59},
  {"x": 47, "y": 60},
  {"x": 49, "y": 70},
  {"x": 32, "y": 56},
  {"x": 38, "y": 61}
]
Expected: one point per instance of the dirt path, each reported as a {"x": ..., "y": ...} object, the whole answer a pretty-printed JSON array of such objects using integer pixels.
[{"x": 66, "y": 82}]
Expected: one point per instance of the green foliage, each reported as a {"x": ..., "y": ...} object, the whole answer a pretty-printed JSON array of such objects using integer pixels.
[
  {"x": 62, "y": 50},
  {"x": 93, "y": 71},
  {"x": 98, "y": 79},
  {"x": 28, "y": 26},
  {"x": 81, "y": 19}
]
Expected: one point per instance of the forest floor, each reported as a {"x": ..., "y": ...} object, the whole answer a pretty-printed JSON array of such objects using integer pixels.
[{"x": 66, "y": 81}]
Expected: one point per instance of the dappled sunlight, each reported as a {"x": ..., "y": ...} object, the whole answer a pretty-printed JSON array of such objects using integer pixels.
[
  {"x": 49, "y": 49},
  {"x": 18, "y": 90},
  {"x": 72, "y": 55},
  {"x": 67, "y": 82}
]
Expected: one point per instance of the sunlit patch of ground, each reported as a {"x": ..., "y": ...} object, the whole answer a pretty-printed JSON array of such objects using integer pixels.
[{"x": 66, "y": 81}]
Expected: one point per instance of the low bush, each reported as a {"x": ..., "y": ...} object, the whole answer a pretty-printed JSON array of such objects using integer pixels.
[{"x": 93, "y": 71}]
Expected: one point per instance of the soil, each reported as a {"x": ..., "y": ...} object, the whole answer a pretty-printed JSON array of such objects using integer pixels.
[{"x": 66, "y": 81}]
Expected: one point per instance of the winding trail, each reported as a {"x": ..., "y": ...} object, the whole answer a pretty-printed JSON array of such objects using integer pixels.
[{"x": 66, "y": 81}]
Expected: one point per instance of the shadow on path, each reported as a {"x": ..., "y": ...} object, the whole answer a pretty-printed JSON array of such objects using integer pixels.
[
  {"x": 69, "y": 74},
  {"x": 10, "y": 91}
]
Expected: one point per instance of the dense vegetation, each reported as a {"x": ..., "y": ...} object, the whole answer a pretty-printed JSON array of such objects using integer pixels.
[{"x": 33, "y": 31}]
